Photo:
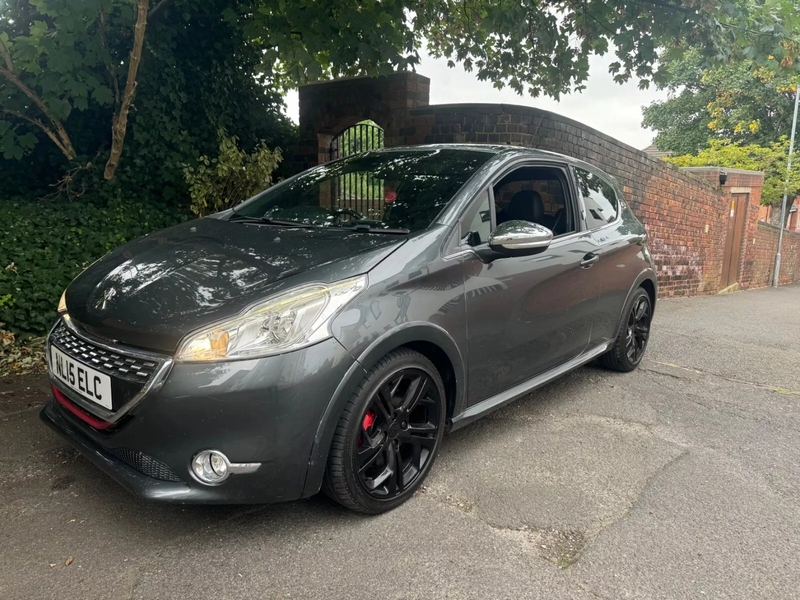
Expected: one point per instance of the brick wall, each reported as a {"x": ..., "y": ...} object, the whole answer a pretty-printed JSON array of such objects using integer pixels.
[
  {"x": 739, "y": 182},
  {"x": 758, "y": 272},
  {"x": 686, "y": 214}
]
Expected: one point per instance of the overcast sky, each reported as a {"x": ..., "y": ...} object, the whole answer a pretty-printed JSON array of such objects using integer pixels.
[{"x": 613, "y": 109}]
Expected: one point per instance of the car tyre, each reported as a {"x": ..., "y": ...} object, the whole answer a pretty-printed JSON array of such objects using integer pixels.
[
  {"x": 631, "y": 342},
  {"x": 388, "y": 435}
]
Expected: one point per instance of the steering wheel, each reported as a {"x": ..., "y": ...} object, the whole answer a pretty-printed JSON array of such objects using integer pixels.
[{"x": 353, "y": 214}]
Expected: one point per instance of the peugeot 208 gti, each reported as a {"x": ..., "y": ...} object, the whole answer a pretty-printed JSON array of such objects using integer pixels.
[{"x": 327, "y": 332}]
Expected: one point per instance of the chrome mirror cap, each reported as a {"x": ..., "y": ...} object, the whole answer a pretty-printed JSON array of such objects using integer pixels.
[{"x": 520, "y": 237}]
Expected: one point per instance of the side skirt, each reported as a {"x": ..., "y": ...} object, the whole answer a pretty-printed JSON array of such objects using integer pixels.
[{"x": 484, "y": 407}]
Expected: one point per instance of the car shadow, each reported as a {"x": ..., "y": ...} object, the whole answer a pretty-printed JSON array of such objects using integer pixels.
[{"x": 103, "y": 494}]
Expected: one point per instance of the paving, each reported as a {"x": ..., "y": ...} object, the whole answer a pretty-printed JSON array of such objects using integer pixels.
[{"x": 681, "y": 480}]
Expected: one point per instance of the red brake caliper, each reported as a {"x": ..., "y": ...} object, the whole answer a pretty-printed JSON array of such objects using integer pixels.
[{"x": 369, "y": 421}]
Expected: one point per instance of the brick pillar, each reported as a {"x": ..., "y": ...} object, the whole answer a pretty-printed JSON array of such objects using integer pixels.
[{"x": 328, "y": 108}]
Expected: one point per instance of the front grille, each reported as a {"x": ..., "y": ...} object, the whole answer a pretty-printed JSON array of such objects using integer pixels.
[
  {"x": 115, "y": 364},
  {"x": 147, "y": 465}
]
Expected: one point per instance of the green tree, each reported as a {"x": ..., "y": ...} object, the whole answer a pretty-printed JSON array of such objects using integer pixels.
[
  {"x": 541, "y": 47},
  {"x": 198, "y": 72},
  {"x": 740, "y": 101},
  {"x": 74, "y": 56},
  {"x": 770, "y": 158},
  {"x": 50, "y": 67}
]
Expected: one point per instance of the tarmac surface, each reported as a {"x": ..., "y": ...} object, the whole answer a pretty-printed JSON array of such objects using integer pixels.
[{"x": 680, "y": 480}]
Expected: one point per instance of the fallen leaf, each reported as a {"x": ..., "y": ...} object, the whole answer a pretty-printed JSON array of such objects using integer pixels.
[
  {"x": 69, "y": 561},
  {"x": 52, "y": 565},
  {"x": 239, "y": 574}
]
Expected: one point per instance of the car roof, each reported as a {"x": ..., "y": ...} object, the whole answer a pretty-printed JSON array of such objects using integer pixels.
[
  {"x": 496, "y": 149},
  {"x": 510, "y": 152}
]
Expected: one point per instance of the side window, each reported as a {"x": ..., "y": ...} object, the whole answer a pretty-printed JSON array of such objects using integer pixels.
[
  {"x": 478, "y": 219},
  {"x": 598, "y": 197},
  {"x": 536, "y": 194}
]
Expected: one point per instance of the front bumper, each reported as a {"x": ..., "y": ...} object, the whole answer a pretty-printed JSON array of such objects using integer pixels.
[{"x": 265, "y": 410}]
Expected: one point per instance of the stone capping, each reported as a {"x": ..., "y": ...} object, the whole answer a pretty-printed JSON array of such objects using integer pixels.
[
  {"x": 476, "y": 108},
  {"x": 776, "y": 228},
  {"x": 516, "y": 109},
  {"x": 726, "y": 169},
  {"x": 346, "y": 81}
]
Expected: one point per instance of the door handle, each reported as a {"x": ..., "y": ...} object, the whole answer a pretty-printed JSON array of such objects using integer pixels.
[{"x": 589, "y": 260}]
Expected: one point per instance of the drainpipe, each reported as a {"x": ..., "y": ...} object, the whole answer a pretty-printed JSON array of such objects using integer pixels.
[{"x": 777, "y": 273}]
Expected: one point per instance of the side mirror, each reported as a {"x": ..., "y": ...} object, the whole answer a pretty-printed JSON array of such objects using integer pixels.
[{"x": 520, "y": 238}]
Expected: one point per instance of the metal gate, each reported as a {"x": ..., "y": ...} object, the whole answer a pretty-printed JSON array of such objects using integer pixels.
[{"x": 359, "y": 192}]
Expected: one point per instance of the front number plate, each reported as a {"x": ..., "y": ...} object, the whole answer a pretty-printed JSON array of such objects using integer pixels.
[{"x": 90, "y": 384}]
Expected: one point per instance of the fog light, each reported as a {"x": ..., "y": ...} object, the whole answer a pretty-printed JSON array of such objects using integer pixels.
[{"x": 211, "y": 467}]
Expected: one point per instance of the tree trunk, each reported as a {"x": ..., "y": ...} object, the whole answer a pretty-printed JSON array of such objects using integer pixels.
[{"x": 119, "y": 123}]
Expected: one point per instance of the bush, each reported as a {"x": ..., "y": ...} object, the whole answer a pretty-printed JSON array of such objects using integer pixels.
[
  {"x": 219, "y": 183},
  {"x": 772, "y": 159},
  {"x": 45, "y": 245}
]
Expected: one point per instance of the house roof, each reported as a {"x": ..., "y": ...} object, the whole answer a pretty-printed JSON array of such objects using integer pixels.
[{"x": 654, "y": 152}]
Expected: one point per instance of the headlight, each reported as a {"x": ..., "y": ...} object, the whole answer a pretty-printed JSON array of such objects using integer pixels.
[
  {"x": 286, "y": 322},
  {"x": 62, "y": 303}
]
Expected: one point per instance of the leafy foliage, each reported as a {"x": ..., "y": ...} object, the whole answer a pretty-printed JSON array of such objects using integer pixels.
[
  {"x": 74, "y": 55},
  {"x": 219, "y": 183},
  {"x": 740, "y": 102},
  {"x": 530, "y": 45},
  {"x": 211, "y": 63},
  {"x": 771, "y": 159},
  {"x": 46, "y": 244},
  {"x": 55, "y": 62},
  {"x": 198, "y": 73}
]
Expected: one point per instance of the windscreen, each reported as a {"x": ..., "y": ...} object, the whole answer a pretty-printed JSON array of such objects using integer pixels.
[{"x": 397, "y": 190}]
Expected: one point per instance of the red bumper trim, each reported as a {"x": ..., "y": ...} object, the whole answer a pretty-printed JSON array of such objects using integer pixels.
[{"x": 79, "y": 412}]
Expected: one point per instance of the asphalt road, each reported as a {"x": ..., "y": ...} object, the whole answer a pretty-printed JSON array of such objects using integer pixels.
[{"x": 681, "y": 480}]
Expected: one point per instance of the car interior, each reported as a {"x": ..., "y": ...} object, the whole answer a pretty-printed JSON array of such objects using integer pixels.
[{"x": 535, "y": 194}]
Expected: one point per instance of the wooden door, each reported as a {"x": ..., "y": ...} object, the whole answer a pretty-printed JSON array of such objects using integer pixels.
[{"x": 733, "y": 239}]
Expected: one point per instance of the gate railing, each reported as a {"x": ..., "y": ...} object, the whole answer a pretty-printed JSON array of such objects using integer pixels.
[{"x": 360, "y": 192}]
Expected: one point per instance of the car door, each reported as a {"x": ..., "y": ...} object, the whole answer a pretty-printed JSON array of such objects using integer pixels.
[
  {"x": 526, "y": 314},
  {"x": 619, "y": 260}
]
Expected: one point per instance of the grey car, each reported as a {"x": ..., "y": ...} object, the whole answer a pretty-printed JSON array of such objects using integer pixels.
[{"x": 326, "y": 333}]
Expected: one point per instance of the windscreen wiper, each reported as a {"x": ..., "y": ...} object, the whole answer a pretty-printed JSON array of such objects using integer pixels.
[
  {"x": 365, "y": 228},
  {"x": 236, "y": 217}
]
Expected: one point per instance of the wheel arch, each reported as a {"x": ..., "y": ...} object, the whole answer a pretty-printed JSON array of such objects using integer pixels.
[
  {"x": 430, "y": 340},
  {"x": 650, "y": 287},
  {"x": 647, "y": 280},
  {"x": 443, "y": 365}
]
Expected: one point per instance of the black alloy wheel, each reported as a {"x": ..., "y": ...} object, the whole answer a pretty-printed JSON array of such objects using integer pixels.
[
  {"x": 638, "y": 330},
  {"x": 631, "y": 343},
  {"x": 398, "y": 433},
  {"x": 388, "y": 436}
]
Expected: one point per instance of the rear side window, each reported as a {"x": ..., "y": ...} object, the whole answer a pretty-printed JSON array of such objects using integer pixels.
[{"x": 599, "y": 198}]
